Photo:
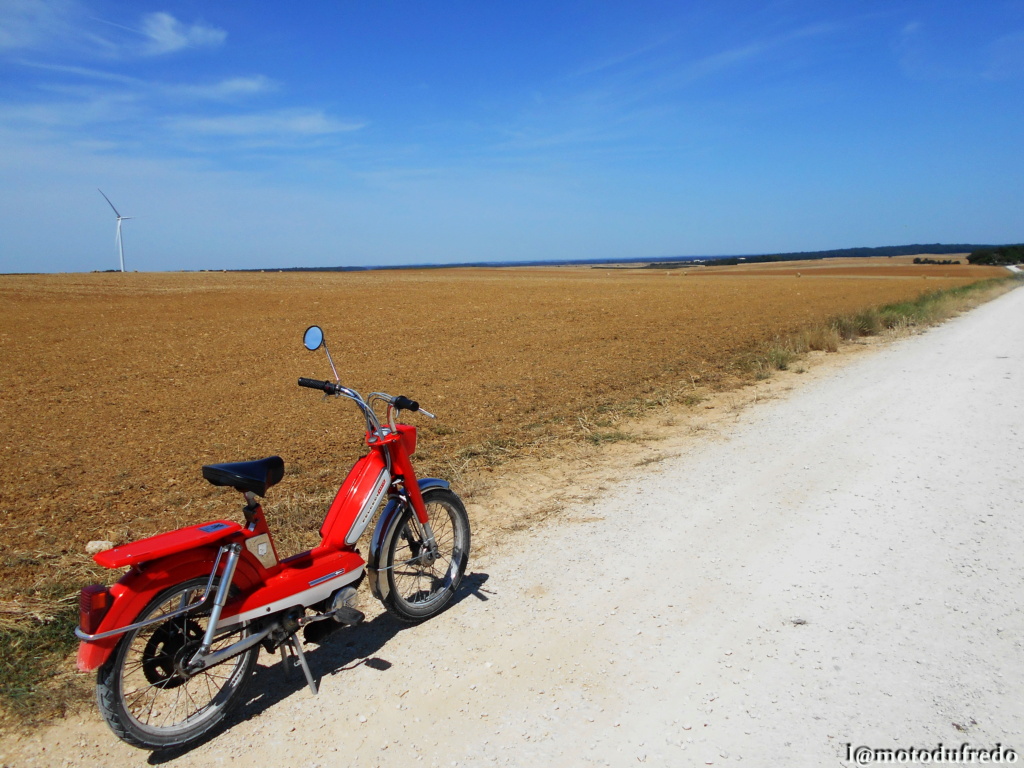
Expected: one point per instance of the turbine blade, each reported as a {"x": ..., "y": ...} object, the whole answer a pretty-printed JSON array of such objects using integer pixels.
[{"x": 108, "y": 202}]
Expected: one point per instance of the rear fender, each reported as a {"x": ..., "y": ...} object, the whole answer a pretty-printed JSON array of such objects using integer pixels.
[
  {"x": 387, "y": 527},
  {"x": 137, "y": 588}
]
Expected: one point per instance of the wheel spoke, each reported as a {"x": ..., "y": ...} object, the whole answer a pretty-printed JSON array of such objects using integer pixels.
[{"x": 141, "y": 694}]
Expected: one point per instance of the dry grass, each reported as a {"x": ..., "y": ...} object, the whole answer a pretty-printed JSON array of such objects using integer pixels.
[{"x": 927, "y": 309}]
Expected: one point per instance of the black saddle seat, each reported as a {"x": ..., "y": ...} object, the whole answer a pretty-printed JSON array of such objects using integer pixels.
[{"x": 256, "y": 476}]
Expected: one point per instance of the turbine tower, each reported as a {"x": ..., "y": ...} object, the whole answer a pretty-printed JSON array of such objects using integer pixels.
[{"x": 120, "y": 218}]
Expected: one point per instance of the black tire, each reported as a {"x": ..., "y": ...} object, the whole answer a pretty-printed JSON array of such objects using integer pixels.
[
  {"x": 143, "y": 695},
  {"x": 420, "y": 586}
]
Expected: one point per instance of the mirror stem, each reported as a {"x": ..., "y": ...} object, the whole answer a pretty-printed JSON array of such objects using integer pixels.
[{"x": 331, "y": 361}]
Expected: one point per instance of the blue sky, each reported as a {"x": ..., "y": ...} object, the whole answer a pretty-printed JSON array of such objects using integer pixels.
[{"x": 353, "y": 132}]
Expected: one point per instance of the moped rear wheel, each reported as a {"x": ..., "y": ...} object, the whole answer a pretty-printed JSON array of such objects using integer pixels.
[
  {"x": 144, "y": 694},
  {"x": 421, "y": 583}
]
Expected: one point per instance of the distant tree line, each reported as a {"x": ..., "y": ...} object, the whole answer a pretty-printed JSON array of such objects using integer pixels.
[
  {"x": 926, "y": 260},
  {"x": 1004, "y": 254},
  {"x": 888, "y": 250},
  {"x": 671, "y": 262}
]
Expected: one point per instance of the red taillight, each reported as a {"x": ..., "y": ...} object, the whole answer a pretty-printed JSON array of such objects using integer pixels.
[{"x": 93, "y": 604}]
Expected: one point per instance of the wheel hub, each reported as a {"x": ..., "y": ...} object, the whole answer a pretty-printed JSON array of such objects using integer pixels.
[
  {"x": 428, "y": 556},
  {"x": 422, "y": 554},
  {"x": 169, "y": 648}
]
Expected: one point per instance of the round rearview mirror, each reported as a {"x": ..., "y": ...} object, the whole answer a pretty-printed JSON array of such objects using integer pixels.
[{"x": 313, "y": 338}]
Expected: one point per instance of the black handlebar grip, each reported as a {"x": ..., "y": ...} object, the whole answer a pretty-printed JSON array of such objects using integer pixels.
[
  {"x": 403, "y": 403},
  {"x": 323, "y": 386}
]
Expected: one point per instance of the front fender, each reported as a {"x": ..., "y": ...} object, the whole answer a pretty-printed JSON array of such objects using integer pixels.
[
  {"x": 384, "y": 532},
  {"x": 134, "y": 591}
]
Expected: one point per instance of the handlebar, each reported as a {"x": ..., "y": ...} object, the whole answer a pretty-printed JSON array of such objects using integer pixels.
[
  {"x": 400, "y": 403},
  {"x": 403, "y": 403},
  {"x": 323, "y": 386}
]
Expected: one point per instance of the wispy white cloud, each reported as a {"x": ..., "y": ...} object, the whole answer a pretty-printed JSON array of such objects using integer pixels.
[
  {"x": 613, "y": 101},
  {"x": 51, "y": 26},
  {"x": 82, "y": 72},
  {"x": 225, "y": 89},
  {"x": 617, "y": 60},
  {"x": 1006, "y": 57},
  {"x": 735, "y": 57},
  {"x": 67, "y": 26},
  {"x": 284, "y": 122},
  {"x": 124, "y": 121},
  {"x": 81, "y": 93},
  {"x": 228, "y": 88},
  {"x": 166, "y": 34},
  {"x": 26, "y": 24},
  {"x": 111, "y": 112},
  {"x": 69, "y": 116},
  {"x": 925, "y": 53}
]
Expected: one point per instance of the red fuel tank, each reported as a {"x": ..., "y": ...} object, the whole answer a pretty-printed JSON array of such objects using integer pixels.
[{"x": 362, "y": 492}]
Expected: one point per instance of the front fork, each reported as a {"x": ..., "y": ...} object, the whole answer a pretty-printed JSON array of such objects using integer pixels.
[
  {"x": 403, "y": 465},
  {"x": 430, "y": 553}
]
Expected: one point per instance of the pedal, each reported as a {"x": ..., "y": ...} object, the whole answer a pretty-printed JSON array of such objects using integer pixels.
[
  {"x": 343, "y": 607},
  {"x": 343, "y": 617},
  {"x": 348, "y": 617}
]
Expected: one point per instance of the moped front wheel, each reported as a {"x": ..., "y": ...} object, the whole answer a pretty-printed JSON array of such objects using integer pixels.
[
  {"x": 422, "y": 580},
  {"x": 145, "y": 695}
]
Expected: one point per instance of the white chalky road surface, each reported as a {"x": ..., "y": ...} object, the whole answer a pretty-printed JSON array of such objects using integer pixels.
[{"x": 839, "y": 566}]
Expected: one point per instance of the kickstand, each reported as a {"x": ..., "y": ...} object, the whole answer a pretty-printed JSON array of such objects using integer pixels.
[{"x": 300, "y": 661}]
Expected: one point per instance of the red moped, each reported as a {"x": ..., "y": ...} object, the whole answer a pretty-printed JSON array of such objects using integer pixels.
[{"x": 175, "y": 640}]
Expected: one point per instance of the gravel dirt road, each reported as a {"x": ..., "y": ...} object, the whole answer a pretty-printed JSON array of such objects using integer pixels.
[{"x": 838, "y": 565}]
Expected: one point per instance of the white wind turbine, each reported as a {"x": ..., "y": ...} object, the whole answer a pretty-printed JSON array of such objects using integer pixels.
[{"x": 120, "y": 218}]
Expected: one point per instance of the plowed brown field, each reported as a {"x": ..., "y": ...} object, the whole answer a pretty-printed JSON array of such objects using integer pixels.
[{"x": 114, "y": 388}]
